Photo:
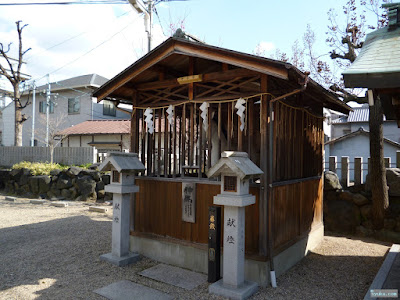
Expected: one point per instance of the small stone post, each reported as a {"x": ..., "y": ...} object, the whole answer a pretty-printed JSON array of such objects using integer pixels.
[
  {"x": 123, "y": 167},
  {"x": 358, "y": 171},
  {"x": 387, "y": 162},
  {"x": 397, "y": 159},
  {"x": 332, "y": 164},
  {"x": 345, "y": 172},
  {"x": 235, "y": 169}
]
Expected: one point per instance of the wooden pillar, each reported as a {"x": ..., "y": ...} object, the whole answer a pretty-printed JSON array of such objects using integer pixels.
[
  {"x": 263, "y": 210},
  {"x": 134, "y": 147},
  {"x": 397, "y": 159}
]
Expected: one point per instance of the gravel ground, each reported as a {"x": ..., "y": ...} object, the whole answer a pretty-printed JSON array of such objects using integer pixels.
[{"x": 53, "y": 253}]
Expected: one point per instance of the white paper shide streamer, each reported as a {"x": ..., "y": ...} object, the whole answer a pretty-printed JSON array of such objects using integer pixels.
[
  {"x": 170, "y": 112},
  {"x": 204, "y": 114},
  {"x": 149, "y": 120},
  {"x": 240, "y": 106}
]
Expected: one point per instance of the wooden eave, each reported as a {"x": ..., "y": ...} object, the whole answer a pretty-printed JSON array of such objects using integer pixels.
[
  {"x": 225, "y": 74},
  {"x": 132, "y": 74}
]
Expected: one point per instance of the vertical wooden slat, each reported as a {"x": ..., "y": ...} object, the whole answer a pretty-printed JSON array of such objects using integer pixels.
[
  {"x": 143, "y": 140},
  {"x": 191, "y": 136},
  {"x": 166, "y": 138},
  {"x": 174, "y": 145},
  {"x": 240, "y": 136},
  {"x": 183, "y": 141},
  {"x": 229, "y": 127},
  {"x": 200, "y": 158},
  {"x": 159, "y": 144},
  {"x": 134, "y": 146},
  {"x": 219, "y": 130},
  {"x": 209, "y": 136},
  {"x": 250, "y": 124},
  {"x": 264, "y": 167},
  {"x": 180, "y": 147}
]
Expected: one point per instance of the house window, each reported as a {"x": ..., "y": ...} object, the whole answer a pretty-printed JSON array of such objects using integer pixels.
[
  {"x": 42, "y": 107},
  {"x": 74, "y": 106},
  {"x": 230, "y": 184},
  {"x": 109, "y": 108},
  {"x": 115, "y": 176}
]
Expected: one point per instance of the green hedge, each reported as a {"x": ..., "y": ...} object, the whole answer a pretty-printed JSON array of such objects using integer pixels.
[{"x": 43, "y": 168}]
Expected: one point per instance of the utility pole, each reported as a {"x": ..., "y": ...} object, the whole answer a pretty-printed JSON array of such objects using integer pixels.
[
  {"x": 47, "y": 109},
  {"x": 33, "y": 113},
  {"x": 148, "y": 14}
]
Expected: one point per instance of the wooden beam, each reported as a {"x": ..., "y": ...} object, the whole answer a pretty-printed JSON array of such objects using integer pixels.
[
  {"x": 191, "y": 128},
  {"x": 209, "y": 137},
  {"x": 222, "y": 75},
  {"x": 159, "y": 143},
  {"x": 166, "y": 138},
  {"x": 235, "y": 59}
]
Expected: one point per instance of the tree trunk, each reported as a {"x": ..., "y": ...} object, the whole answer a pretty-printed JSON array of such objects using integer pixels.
[
  {"x": 18, "y": 117},
  {"x": 380, "y": 198}
]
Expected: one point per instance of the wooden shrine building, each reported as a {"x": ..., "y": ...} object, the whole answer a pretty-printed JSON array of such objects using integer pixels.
[{"x": 185, "y": 113}]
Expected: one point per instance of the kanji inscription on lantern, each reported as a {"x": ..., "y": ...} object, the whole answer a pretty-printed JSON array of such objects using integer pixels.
[{"x": 189, "y": 202}]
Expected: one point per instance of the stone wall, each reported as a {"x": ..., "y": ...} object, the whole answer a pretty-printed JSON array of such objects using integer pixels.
[
  {"x": 73, "y": 184},
  {"x": 350, "y": 210}
]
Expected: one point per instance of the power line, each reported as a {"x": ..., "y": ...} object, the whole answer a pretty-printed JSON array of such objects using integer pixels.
[
  {"x": 74, "y": 37},
  {"x": 94, "y": 48},
  {"x": 66, "y": 2}
]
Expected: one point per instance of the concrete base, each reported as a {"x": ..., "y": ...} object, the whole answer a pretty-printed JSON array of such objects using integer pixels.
[
  {"x": 196, "y": 259},
  {"x": 244, "y": 291},
  {"x": 120, "y": 261},
  {"x": 99, "y": 209}
]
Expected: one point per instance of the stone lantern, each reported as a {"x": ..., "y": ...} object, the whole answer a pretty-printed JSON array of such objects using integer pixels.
[
  {"x": 235, "y": 169},
  {"x": 123, "y": 167}
]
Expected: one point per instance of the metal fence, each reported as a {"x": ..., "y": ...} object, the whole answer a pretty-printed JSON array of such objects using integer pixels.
[{"x": 63, "y": 155}]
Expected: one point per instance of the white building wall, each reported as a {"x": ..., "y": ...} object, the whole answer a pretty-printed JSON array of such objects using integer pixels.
[
  {"x": 89, "y": 110},
  {"x": 357, "y": 146}
]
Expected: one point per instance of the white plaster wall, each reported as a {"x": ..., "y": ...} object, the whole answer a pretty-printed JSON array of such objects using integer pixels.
[
  {"x": 74, "y": 141},
  {"x": 357, "y": 146}
]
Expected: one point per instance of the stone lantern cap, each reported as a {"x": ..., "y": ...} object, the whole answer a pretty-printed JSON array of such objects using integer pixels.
[
  {"x": 235, "y": 163},
  {"x": 122, "y": 162}
]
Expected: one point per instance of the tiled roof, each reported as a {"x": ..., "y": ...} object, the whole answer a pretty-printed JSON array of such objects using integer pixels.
[
  {"x": 99, "y": 127},
  {"x": 358, "y": 132},
  {"x": 90, "y": 80},
  {"x": 360, "y": 114}
]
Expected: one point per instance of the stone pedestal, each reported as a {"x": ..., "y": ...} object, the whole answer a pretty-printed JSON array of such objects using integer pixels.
[
  {"x": 120, "y": 254},
  {"x": 233, "y": 284}
]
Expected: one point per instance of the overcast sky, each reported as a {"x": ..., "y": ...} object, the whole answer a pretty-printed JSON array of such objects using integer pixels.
[{"x": 74, "y": 40}]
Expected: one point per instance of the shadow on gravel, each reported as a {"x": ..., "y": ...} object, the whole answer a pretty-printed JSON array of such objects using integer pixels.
[
  {"x": 65, "y": 250},
  {"x": 325, "y": 277}
]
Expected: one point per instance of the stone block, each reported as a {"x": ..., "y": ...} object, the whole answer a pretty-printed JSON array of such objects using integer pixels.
[
  {"x": 73, "y": 171},
  {"x": 99, "y": 209},
  {"x": 36, "y": 201},
  {"x": 92, "y": 173},
  {"x": 59, "y": 204},
  {"x": 11, "y": 199},
  {"x": 239, "y": 293}
]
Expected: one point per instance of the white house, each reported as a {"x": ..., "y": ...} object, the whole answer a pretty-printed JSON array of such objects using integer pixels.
[
  {"x": 71, "y": 101},
  {"x": 359, "y": 117},
  {"x": 356, "y": 144}
]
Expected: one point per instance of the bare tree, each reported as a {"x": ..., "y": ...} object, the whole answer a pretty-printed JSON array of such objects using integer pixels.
[
  {"x": 55, "y": 134},
  {"x": 13, "y": 73}
]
